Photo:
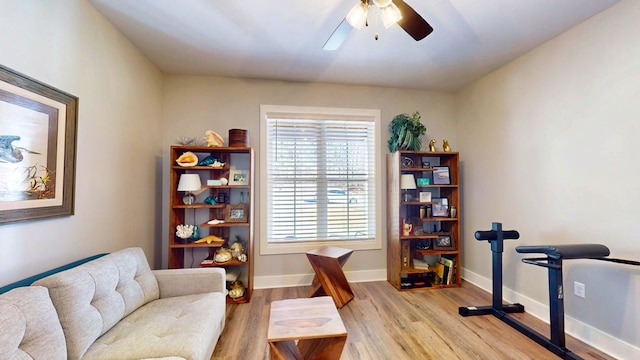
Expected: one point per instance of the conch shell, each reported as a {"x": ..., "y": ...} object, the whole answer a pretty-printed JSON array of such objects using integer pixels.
[
  {"x": 187, "y": 159},
  {"x": 213, "y": 139}
]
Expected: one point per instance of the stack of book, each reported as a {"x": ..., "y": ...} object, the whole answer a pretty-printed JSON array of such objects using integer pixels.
[
  {"x": 420, "y": 264},
  {"x": 446, "y": 270}
]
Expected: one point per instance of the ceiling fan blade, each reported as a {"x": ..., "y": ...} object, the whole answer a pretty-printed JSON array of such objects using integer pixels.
[
  {"x": 412, "y": 22},
  {"x": 338, "y": 36}
]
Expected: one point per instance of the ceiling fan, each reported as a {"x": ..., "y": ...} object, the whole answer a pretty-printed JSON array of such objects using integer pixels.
[{"x": 392, "y": 11}]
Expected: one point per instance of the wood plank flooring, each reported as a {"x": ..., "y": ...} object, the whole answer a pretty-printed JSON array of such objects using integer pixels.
[{"x": 383, "y": 323}]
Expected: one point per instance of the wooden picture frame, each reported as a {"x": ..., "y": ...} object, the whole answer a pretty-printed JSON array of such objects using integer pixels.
[
  {"x": 235, "y": 213},
  {"x": 441, "y": 175},
  {"x": 444, "y": 242},
  {"x": 440, "y": 207},
  {"x": 425, "y": 196},
  {"x": 37, "y": 149},
  {"x": 238, "y": 177}
]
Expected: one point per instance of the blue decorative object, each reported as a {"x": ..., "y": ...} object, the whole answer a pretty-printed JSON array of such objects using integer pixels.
[
  {"x": 210, "y": 200},
  {"x": 196, "y": 232},
  {"x": 209, "y": 160}
]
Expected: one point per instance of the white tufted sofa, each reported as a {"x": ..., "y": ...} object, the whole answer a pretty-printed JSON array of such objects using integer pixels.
[{"x": 115, "y": 307}]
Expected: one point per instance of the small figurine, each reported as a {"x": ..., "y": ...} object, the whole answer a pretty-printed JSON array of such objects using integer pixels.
[
  {"x": 432, "y": 145},
  {"x": 445, "y": 145},
  {"x": 406, "y": 229}
]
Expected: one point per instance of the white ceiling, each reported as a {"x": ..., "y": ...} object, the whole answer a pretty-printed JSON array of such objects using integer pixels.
[{"x": 283, "y": 39}]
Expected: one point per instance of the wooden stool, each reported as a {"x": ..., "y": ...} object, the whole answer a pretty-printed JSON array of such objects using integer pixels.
[
  {"x": 329, "y": 280},
  {"x": 314, "y": 323}
]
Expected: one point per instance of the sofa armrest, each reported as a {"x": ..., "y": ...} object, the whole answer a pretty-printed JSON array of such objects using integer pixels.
[{"x": 177, "y": 282}]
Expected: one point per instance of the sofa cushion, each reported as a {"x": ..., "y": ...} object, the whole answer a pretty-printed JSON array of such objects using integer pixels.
[
  {"x": 175, "y": 327},
  {"x": 29, "y": 326},
  {"x": 91, "y": 298}
]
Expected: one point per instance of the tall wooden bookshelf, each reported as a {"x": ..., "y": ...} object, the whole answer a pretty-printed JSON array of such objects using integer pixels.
[
  {"x": 236, "y": 160},
  {"x": 434, "y": 235}
]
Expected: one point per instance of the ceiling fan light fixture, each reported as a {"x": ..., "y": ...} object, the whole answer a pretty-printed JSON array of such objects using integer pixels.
[
  {"x": 357, "y": 16},
  {"x": 390, "y": 15}
]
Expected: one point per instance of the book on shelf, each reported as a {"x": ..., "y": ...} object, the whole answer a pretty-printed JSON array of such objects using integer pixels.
[
  {"x": 420, "y": 264},
  {"x": 448, "y": 271},
  {"x": 440, "y": 272}
]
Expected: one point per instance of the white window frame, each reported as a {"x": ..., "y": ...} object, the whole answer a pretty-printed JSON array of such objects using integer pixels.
[{"x": 271, "y": 248}]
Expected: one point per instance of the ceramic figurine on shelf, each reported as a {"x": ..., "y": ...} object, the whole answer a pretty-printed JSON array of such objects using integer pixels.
[
  {"x": 445, "y": 145},
  {"x": 432, "y": 145},
  {"x": 406, "y": 229}
]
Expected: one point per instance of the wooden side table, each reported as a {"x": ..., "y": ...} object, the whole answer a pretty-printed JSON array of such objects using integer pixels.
[
  {"x": 329, "y": 280},
  {"x": 314, "y": 323}
]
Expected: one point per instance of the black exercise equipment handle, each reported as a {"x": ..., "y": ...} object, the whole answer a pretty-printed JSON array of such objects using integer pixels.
[{"x": 493, "y": 235}]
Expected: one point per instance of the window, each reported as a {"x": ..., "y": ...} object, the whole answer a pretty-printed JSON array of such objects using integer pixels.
[{"x": 319, "y": 178}]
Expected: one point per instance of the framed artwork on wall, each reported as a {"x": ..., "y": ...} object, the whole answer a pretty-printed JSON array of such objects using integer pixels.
[{"x": 37, "y": 149}]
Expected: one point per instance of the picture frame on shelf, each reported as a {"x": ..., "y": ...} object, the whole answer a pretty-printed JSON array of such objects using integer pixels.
[
  {"x": 425, "y": 196},
  {"x": 444, "y": 242},
  {"x": 424, "y": 181},
  {"x": 235, "y": 213},
  {"x": 426, "y": 164},
  {"x": 441, "y": 175},
  {"x": 238, "y": 177},
  {"x": 440, "y": 207},
  {"x": 39, "y": 131}
]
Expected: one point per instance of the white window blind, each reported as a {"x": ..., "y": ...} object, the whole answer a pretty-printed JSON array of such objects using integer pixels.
[{"x": 320, "y": 177}]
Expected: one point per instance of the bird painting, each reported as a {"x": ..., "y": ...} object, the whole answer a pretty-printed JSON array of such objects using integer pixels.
[{"x": 10, "y": 153}]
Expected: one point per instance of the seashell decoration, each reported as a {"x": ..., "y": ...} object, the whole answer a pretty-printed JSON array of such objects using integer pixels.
[
  {"x": 236, "y": 250},
  {"x": 222, "y": 255},
  {"x": 224, "y": 181},
  {"x": 213, "y": 139},
  {"x": 237, "y": 290},
  {"x": 212, "y": 161},
  {"x": 190, "y": 141},
  {"x": 187, "y": 159},
  {"x": 242, "y": 257}
]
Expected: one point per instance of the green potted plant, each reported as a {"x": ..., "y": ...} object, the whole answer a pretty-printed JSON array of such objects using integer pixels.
[{"x": 406, "y": 132}]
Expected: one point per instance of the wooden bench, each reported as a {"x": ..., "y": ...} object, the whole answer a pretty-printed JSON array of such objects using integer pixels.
[{"x": 305, "y": 328}]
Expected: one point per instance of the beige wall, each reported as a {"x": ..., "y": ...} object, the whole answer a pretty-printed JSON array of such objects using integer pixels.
[
  {"x": 549, "y": 147},
  {"x": 196, "y": 104},
  {"x": 69, "y": 45}
]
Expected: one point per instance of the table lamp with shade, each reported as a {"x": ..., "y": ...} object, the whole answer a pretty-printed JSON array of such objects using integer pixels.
[
  {"x": 407, "y": 182},
  {"x": 189, "y": 183}
]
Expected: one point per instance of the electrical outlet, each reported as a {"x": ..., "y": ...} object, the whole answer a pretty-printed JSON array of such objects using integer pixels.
[{"x": 579, "y": 289}]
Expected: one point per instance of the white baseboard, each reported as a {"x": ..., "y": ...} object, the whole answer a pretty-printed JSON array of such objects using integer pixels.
[
  {"x": 268, "y": 282},
  {"x": 579, "y": 330}
]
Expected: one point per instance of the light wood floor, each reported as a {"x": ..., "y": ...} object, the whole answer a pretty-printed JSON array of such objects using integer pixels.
[{"x": 383, "y": 323}]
